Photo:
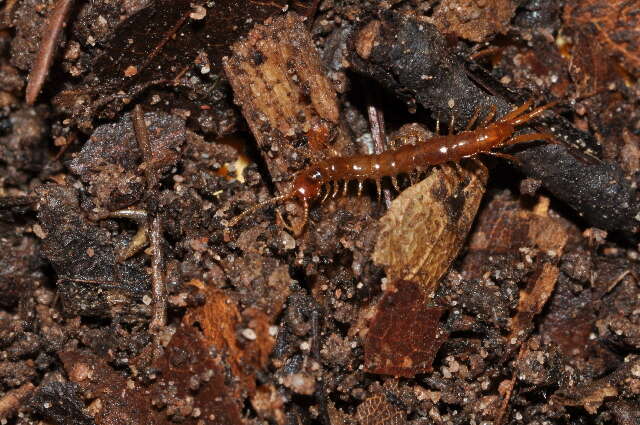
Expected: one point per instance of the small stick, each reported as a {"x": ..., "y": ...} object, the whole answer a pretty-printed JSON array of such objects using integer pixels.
[
  {"x": 142, "y": 136},
  {"x": 376, "y": 120},
  {"x": 158, "y": 287},
  {"x": 48, "y": 47}
]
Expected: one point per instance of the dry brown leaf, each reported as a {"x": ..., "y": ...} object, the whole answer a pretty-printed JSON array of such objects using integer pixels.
[
  {"x": 532, "y": 300},
  {"x": 426, "y": 225},
  {"x": 391, "y": 348},
  {"x": 590, "y": 400},
  {"x": 219, "y": 318},
  {"x": 605, "y": 45}
]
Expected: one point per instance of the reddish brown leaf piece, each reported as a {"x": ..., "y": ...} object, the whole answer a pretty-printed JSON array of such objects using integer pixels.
[
  {"x": 404, "y": 337},
  {"x": 602, "y": 30},
  {"x": 194, "y": 384},
  {"x": 218, "y": 318}
]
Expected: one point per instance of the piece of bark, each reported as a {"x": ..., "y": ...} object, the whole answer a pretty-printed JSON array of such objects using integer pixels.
[
  {"x": 285, "y": 95},
  {"x": 505, "y": 229},
  {"x": 413, "y": 59}
]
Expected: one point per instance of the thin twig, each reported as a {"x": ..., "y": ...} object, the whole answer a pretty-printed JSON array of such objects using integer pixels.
[
  {"x": 142, "y": 136},
  {"x": 376, "y": 121},
  {"x": 158, "y": 287},
  {"x": 48, "y": 47},
  {"x": 165, "y": 39}
]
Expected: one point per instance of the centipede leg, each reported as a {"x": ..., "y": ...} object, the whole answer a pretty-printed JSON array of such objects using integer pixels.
[
  {"x": 473, "y": 119},
  {"x": 505, "y": 156},
  {"x": 438, "y": 125},
  {"x": 524, "y": 118},
  {"x": 378, "y": 190},
  {"x": 459, "y": 169},
  {"x": 452, "y": 121},
  {"x": 492, "y": 113},
  {"x": 305, "y": 218},
  {"x": 359, "y": 187},
  {"x": 445, "y": 168},
  {"x": 336, "y": 188},
  {"x": 328, "y": 188},
  {"x": 517, "y": 111},
  {"x": 345, "y": 188},
  {"x": 528, "y": 138},
  {"x": 394, "y": 183}
]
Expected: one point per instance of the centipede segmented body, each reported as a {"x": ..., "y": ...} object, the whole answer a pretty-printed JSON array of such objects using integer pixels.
[{"x": 323, "y": 178}]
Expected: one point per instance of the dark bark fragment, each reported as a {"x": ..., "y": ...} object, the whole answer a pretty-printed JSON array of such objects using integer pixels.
[
  {"x": 61, "y": 404},
  {"x": 412, "y": 59}
]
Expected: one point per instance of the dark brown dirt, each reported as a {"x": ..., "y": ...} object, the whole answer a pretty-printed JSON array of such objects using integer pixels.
[{"x": 536, "y": 322}]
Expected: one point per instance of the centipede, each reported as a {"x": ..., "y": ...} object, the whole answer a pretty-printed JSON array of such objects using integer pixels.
[{"x": 325, "y": 178}]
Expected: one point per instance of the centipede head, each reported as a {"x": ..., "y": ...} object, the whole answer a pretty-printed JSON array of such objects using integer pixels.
[{"x": 305, "y": 188}]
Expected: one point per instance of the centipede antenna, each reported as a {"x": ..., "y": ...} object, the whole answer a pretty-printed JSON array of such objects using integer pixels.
[
  {"x": 505, "y": 156},
  {"x": 524, "y": 118},
  {"x": 235, "y": 220},
  {"x": 517, "y": 111},
  {"x": 345, "y": 188}
]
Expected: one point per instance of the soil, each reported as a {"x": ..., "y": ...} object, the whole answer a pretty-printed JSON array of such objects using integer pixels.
[{"x": 497, "y": 290}]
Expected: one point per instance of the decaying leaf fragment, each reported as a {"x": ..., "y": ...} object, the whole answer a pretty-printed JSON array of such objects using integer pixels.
[
  {"x": 506, "y": 229},
  {"x": 426, "y": 225},
  {"x": 602, "y": 30},
  {"x": 393, "y": 348},
  {"x": 376, "y": 410},
  {"x": 219, "y": 318}
]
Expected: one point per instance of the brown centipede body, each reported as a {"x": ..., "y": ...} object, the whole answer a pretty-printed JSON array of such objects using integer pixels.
[{"x": 322, "y": 179}]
